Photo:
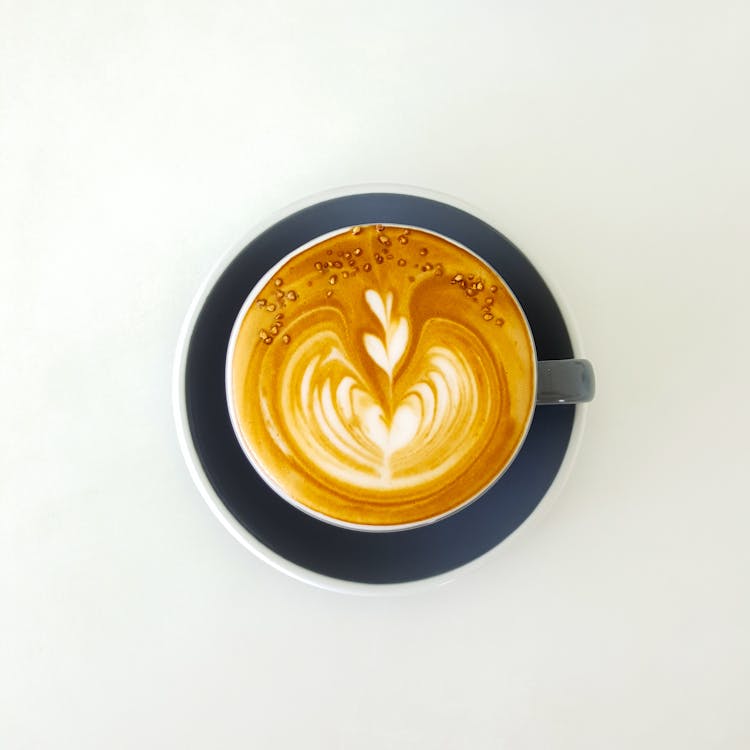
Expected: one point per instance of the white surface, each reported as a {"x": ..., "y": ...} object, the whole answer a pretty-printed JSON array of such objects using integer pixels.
[{"x": 139, "y": 140}]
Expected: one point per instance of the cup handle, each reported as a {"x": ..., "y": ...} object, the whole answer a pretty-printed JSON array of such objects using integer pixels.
[{"x": 565, "y": 381}]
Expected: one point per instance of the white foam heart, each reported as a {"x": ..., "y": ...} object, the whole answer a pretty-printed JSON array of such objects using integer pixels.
[{"x": 338, "y": 420}]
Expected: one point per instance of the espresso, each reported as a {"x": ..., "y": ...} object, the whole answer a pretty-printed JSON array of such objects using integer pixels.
[{"x": 382, "y": 376}]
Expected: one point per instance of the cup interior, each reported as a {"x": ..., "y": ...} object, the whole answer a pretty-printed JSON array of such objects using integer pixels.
[{"x": 268, "y": 476}]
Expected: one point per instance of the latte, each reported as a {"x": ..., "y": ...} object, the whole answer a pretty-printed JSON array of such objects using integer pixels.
[{"x": 382, "y": 376}]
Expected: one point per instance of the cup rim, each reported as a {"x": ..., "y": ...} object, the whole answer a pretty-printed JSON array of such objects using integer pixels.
[{"x": 268, "y": 478}]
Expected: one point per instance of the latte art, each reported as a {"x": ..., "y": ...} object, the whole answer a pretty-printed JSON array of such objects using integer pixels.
[
  {"x": 401, "y": 435},
  {"x": 382, "y": 376}
]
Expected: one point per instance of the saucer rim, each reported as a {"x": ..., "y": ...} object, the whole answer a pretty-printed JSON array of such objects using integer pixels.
[{"x": 217, "y": 506}]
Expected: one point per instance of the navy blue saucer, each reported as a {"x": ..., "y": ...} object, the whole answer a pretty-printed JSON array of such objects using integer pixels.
[{"x": 393, "y": 557}]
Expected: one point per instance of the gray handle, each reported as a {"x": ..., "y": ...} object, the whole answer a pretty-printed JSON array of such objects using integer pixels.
[{"x": 565, "y": 381}]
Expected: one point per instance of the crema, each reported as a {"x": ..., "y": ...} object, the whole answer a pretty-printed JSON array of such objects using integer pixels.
[{"x": 382, "y": 376}]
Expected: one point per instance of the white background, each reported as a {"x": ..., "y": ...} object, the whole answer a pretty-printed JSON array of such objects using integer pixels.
[{"x": 139, "y": 140}]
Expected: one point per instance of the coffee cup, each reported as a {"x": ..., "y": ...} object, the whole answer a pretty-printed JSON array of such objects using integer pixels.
[{"x": 381, "y": 378}]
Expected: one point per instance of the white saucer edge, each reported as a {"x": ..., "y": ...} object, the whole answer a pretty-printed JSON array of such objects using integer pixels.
[{"x": 236, "y": 529}]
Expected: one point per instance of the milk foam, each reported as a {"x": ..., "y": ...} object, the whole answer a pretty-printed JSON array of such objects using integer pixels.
[
  {"x": 372, "y": 381},
  {"x": 356, "y": 437}
]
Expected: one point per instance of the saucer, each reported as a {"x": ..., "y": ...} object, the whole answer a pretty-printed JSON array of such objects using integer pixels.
[{"x": 293, "y": 541}]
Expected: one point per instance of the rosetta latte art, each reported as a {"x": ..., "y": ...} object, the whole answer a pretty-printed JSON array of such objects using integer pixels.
[
  {"x": 385, "y": 397},
  {"x": 421, "y": 428}
]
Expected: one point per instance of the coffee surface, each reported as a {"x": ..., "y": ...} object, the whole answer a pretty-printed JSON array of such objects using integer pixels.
[{"x": 382, "y": 376}]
